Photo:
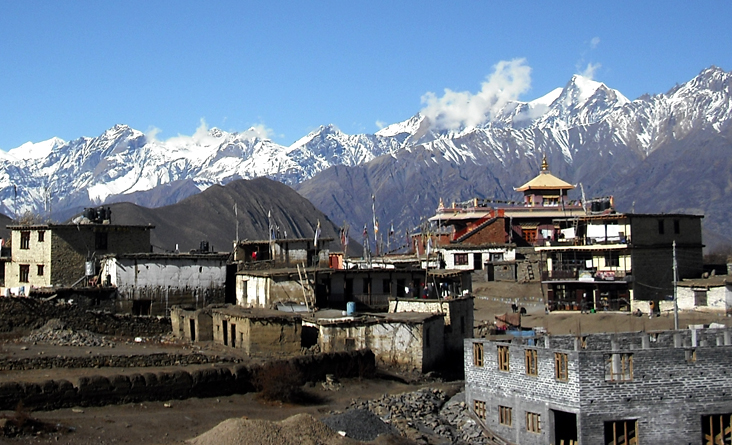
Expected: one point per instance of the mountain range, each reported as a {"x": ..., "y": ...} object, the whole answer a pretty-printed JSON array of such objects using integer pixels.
[{"x": 663, "y": 153}]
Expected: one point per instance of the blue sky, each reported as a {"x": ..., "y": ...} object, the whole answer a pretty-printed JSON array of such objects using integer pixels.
[{"x": 76, "y": 68}]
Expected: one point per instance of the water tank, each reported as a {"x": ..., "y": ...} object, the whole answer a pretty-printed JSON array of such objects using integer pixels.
[
  {"x": 350, "y": 308},
  {"x": 204, "y": 246}
]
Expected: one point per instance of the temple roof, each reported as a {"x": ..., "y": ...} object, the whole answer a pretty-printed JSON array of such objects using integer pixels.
[{"x": 545, "y": 181}]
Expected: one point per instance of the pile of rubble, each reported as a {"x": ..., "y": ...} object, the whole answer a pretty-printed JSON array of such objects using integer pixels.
[
  {"x": 425, "y": 416},
  {"x": 55, "y": 332}
]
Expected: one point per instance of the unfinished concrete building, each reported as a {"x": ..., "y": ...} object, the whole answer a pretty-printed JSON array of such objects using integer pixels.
[{"x": 668, "y": 387}]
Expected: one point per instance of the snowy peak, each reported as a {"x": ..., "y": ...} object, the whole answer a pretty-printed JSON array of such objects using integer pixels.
[{"x": 39, "y": 150}]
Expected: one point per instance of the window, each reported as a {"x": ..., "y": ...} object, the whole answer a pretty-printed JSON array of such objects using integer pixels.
[
  {"x": 366, "y": 289},
  {"x": 41, "y": 236},
  {"x": 477, "y": 354},
  {"x": 496, "y": 257},
  {"x": 461, "y": 259},
  {"x": 529, "y": 235},
  {"x": 700, "y": 297},
  {"x": 612, "y": 260},
  {"x": 690, "y": 355},
  {"x": 531, "y": 364},
  {"x": 660, "y": 227},
  {"x": 621, "y": 432},
  {"x": 40, "y": 270},
  {"x": 25, "y": 240},
  {"x": 561, "y": 366},
  {"x": 533, "y": 422},
  {"x": 479, "y": 409},
  {"x": 504, "y": 415},
  {"x": 24, "y": 273},
  {"x": 677, "y": 228},
  {"x": 386, "y": 286},
  {"x": 619, "y": 367},
  {"x": 717, "y": 428},
  {"x": 503, "y": 358},
  {"x": 100, "y": 240}
]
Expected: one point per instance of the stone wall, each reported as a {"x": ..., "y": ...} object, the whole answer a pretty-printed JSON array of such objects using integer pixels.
[
  {"x": 677, "y": 377},
  {"x": 29, "y": 313},
  {"x": 216, "y": 381}
]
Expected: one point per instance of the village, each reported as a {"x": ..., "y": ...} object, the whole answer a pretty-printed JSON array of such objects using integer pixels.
[{"x": 562, "y": 321}]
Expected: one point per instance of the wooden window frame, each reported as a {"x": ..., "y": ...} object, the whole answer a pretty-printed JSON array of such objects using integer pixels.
[
  {"x": 533, "y": 422},
  {"x": 617, "y": 432},
  {"x": 479, "y": 409},
  {"x": 531, "y": 362},
  {"x": 619, "y": 367},
  {"x": 24, "y": 273},
  {"x": 25, "y": 240},
  {"x": 561, "y": 366},
  {"x": 505, "y": 415},
  {"x": 478, "y": 354},
  {"x": 461, "y": 259},
  {"x": 40, "y": 270},
  {"x": 716, "y": 428},
  {"x": 41, "y": 236},
  {"x": 503, "y": 358}
]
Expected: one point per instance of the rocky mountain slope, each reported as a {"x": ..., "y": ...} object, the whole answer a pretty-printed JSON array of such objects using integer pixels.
[
  {"x": 662, "y": 153},
  {"x": 210, "y": 216}
]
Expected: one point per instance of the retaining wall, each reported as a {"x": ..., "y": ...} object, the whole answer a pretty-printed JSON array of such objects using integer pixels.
[
  {"x": 30, "y": 313},
  {"x": 221, "y": 380}
]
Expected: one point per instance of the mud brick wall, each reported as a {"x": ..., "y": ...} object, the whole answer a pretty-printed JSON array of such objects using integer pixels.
[
  {"x": 29, "y": 313},
  {"x": 220, "y": 380}
]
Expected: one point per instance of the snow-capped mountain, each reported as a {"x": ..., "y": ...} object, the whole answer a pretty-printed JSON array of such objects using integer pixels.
[{"x": 589, "y": 132}]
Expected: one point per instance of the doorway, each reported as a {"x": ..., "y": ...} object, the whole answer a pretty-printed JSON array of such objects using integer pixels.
[{"x": 565, "y": 427}]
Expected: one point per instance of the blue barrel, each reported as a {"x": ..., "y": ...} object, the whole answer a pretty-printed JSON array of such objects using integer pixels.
[{"x": 350, "y": 308}]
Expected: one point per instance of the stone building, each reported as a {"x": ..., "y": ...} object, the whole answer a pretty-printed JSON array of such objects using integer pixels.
[
  {"x": 64, "y": 255},
  {"x": 412, "y": 341},
  {"x": 194, "y": 325},
  {"x": 258, "y": 332},
  {"x": 457, "y": 313},
  {"x": 646, "y": 388},
  {"x": 620, "y": 261},
  {"x": 712, "y": 294},
  {"x": 151, "y": 283}
]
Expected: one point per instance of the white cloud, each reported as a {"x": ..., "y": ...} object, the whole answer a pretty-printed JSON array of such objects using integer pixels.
[
  {"x": 152, "y": 134},
  {"x": 456, "y": 109},
  {"x": 380, "y": 124},
  {"x": 260, "y": 130},
  {"x": 203, "y": 136},
  {"x": 594, "y": 42},
  {"x": 589, "y": 71}
]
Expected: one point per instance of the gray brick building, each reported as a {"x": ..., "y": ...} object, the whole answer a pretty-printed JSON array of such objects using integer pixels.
[{"x": 672, "y": 387}]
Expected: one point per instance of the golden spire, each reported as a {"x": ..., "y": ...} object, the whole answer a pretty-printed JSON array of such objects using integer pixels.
[
  {"x": 544, "y": 164},
  {"x": 442, "y": 205}
]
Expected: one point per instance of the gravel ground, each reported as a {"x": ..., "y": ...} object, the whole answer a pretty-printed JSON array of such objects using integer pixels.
[
  {"x": 54, "y": 332},
  {"x": 295, "y": 430},
  {"x": 359, "y": 424}
]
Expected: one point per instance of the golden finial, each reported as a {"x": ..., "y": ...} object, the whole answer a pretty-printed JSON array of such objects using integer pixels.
[
  {"x": 442, "y": 205},
  {"x": 544, "y": 164}
]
